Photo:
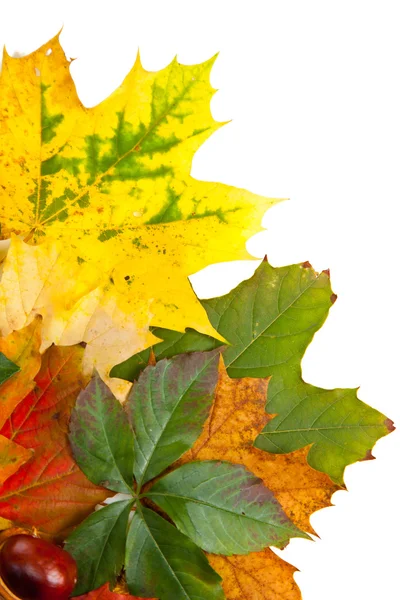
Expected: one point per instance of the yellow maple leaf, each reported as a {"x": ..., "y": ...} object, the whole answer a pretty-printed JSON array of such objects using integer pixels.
[{"x": 112, "y": 186}]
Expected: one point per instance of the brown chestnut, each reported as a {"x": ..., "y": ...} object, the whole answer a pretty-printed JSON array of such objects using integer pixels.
[{"x": 34, "y": 569}]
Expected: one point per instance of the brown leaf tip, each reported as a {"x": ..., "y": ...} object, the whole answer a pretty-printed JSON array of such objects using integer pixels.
[
  {"x": 368, "y": 456},
  {"x": 306, "y": 265},
  {"x": 265, "y": 259},
  {"x": 152, "y": 358},
  {"x": 83, "y": 344},
  {"x": 327, "y": 272},
  {"x": 333, "y": 298},
  {"x": 390, "y": 425}
]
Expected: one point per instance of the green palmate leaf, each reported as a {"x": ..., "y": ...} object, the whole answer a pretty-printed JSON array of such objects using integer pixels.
[
  {"x": 269, "y": 320},
  {"x": 223, "y": 508},
  {"x": 162, "y": 562},
  {"x": 174, "y": 343},
  {"x": 101, "y": 438},
  {"x": 167, "y": 409},
  {"x": 98, "y": 546},
  {"x": 7, "y": 368}
]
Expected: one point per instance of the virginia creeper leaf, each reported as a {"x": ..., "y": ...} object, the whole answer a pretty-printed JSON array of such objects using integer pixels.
[
  {"x": 7, "y": 368},
  {"x": 167, "y": 408},
  {"x": 101, "y": 438},
  {"x": 191, "y": 492},
  {"x": 174, "y": 343},
  {"x": 223, "y": 508},
  {"x": 49, "y": 491},
  {"x": 160, "y": 561},
  {"x": 269, "y": 320},
  {"x": 103, "y": 593},
  {"x": 112, "y": 185},
  {"x": 98, "y": 546}
]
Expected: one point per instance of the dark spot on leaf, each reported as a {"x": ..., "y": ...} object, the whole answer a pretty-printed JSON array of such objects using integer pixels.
[
  {"x": 127, "y": 277},
  {"x": 83, "y": 344},
  {"x": 84, "y": 201},
  {"x": 333, "y": 298},
  {"x": 107, "y": 234}
]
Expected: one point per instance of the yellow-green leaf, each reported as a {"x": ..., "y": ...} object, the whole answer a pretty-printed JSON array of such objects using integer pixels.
[{"x": 112, "y": 185}]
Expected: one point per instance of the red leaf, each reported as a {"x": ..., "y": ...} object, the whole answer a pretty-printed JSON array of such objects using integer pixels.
[
  {"x": 44, "y": 413},
  {"x": 103, "y": 593},
  {"x": 49, "y": 492}
]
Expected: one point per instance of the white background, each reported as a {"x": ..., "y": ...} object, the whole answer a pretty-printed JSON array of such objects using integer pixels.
[{"x": 313, "y": 91}]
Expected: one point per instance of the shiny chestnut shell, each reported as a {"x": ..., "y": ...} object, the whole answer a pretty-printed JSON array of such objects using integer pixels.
[{"x": 34, "y": 569}]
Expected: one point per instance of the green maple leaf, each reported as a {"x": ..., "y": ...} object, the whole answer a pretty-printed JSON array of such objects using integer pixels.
[{"x": 269, "y": 320}]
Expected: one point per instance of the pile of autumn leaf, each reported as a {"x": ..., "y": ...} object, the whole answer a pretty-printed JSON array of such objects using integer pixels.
[{"x": 116, "y": 379}]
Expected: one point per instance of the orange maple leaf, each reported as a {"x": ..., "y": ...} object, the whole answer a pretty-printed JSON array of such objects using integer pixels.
[{"x": 236, "y": 418}]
